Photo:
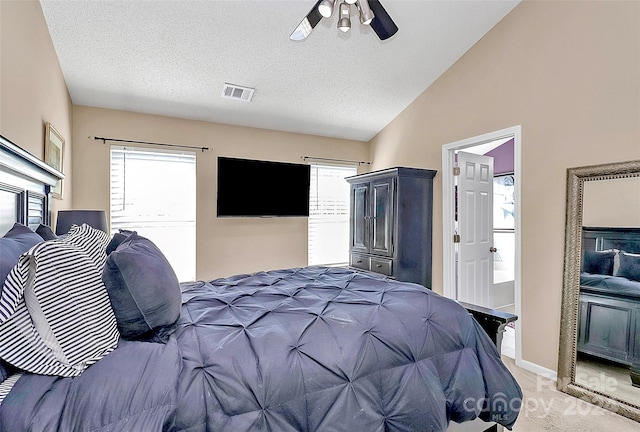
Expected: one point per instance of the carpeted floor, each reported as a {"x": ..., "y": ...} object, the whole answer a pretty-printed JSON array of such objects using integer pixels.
[{"x": 544, "y": 409}]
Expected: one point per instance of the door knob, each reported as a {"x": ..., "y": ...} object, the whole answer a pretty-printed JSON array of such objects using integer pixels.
[{"x": 493, "y": 249}]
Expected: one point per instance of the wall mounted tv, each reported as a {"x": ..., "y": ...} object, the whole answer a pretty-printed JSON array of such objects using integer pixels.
[{"x": 256, "y": 188}]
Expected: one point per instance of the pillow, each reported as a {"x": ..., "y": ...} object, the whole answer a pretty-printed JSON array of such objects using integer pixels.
[
  {"x": 616, "y": 260},
  {"x": 14, "y": 243},
  {"x": 144, "y": 290},
  {"x": 4, "y": 371},
  {"x": 597, "y": 262},
  {"x": 55, "y": 314},
  {"x": 46, "y": 232},
  {"x": 118, "y": 238},
  {"x": 629, "y": 266}
]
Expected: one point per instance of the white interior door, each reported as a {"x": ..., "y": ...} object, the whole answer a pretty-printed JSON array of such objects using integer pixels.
[
  {"x": 475, "y": 227},
  {"x": 450, "y": 269}
]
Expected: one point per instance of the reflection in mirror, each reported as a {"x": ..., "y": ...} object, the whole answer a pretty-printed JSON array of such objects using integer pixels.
[
  {"x": 599, "y": 357},
  {"x": 612, "y": 202}
]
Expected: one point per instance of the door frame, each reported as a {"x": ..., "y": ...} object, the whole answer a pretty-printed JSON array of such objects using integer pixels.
[{"x": 448, "y": 214}]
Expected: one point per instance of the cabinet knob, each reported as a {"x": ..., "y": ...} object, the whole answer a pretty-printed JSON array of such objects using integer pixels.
[
  {"x": 493, "y": 249},
  {"x": 378, "y": 265}
]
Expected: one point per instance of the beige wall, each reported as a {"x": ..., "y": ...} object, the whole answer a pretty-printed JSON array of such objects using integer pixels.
[
  {"x": 32, "y": 87},
  {"x": 225, "y": 246},
  {"x": 569, "y": 74}
]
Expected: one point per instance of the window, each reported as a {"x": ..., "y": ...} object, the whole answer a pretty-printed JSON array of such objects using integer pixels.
[
  {"x": 154, "y": 193},
  {"x": 328, "y": 227},
  {"x": 504, "y": 228}
]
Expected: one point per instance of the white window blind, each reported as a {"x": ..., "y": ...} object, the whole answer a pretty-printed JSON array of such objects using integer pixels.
[
  {"x": 154, "y": 193},
  {"x": 328, "y": 226}
]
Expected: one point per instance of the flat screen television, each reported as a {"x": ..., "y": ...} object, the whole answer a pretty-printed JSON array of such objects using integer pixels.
[{"x": 257, "y": 188}]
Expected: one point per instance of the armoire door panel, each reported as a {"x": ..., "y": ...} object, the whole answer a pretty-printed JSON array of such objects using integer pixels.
[
  {"x": 359, "y": 218},
  {"x": 382, "y": 223}
]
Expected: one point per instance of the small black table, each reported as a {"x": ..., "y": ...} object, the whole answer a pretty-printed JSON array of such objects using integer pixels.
[{"x": 494, "y": 322}]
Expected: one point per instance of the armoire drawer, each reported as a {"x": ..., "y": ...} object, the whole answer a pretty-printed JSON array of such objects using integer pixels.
[
  {"x": 382, "y": 266},
  {"x": 359, "y": 261}
]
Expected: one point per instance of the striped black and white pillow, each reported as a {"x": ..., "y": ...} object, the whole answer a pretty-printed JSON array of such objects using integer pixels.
[{"x": 55, "y": 314}]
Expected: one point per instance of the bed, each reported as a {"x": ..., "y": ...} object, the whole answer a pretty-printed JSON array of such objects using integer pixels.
[
  {"x": 609, "y": 321},
  {"x": 300, "y": 349}
]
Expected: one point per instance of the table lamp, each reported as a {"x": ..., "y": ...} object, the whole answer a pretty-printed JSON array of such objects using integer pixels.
[{"x": 94, "y": 218}]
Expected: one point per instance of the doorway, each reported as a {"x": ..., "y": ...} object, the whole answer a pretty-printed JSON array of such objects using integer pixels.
[{"x": 451, "y": 271}]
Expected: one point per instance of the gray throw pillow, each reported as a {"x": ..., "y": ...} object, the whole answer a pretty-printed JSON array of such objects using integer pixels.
[
  {"x": 5, "y": 371},
  {"x": 46, "y": 232},
  {"x": 629, "y": 266},
  {"x": 597, "y": 262},
  {"x": 14, "y": 243},
  {"x": 143, "y": 289}
]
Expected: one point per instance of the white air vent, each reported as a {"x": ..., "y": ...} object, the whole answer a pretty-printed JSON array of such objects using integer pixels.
[{"x": 237, "y": 92}]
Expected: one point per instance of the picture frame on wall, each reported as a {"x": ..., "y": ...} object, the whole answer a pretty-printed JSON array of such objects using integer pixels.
[{"x": 54, "y": 155}]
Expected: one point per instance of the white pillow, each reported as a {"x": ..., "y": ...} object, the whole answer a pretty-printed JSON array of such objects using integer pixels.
[
  {"x": 55, "y": 314},
  {"x": 616, "y": 259}
]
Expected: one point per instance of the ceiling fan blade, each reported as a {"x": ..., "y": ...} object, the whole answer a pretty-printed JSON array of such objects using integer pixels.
[
  {"x": 382, "y": 23},
  {"x": 307, "y": 24}
]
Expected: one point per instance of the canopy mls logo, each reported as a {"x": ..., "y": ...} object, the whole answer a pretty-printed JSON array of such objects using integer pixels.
[{"x": 541, "y": 407}]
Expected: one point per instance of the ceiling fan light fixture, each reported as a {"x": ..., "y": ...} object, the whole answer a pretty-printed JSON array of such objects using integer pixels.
[
  {"x": 344, "y": 22},
  {"x": 326, "y": 8},
  {"x": 366, "y": 14},
  {"x": 370, "y": 12}
]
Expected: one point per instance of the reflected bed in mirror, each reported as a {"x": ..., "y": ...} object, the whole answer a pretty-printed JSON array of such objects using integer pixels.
[
  {"x": 609, "y": 311},
  {"x": 599, "y": 357}
]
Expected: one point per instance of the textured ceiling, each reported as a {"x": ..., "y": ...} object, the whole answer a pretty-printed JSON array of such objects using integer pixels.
[{"x": 173, "y": 57}]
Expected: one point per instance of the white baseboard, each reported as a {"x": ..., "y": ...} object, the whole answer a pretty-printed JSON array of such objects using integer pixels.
[{"x": 537, "y": 369}]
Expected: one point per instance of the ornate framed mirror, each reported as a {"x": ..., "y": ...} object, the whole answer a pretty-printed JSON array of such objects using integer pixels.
[{"x": 599, "y": 355}]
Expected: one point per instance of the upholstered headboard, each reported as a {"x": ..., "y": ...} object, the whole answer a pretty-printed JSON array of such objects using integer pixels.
[
  {"x": 25, "y": 183},
  {"x": 599, "y": 239}
]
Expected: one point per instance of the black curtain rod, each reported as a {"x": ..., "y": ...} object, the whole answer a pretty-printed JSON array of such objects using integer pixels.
[
  {"x": 104, "y": 140},
  {"x": 335, "y": 160}
]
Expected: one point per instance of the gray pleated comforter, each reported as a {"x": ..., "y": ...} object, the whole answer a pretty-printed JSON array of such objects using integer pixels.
[{"x": 307, "y": 349}]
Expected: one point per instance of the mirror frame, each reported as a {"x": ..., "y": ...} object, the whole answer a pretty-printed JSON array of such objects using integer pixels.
[{"x": 576, "y": 177}]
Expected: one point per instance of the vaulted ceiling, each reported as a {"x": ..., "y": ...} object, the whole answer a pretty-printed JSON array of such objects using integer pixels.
[{"x": 174, "y": 57}]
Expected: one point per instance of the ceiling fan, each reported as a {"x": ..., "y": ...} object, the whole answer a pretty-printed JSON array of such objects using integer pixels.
[{"x": 370, "y": 12}]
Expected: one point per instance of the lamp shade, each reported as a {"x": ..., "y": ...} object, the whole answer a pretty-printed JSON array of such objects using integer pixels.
[
  {"x": 366, "y": 15},
  {"x": 344, "y": 23},
  {"x": 94, "y": 218},
  {"x": 326, "y": 8}
]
